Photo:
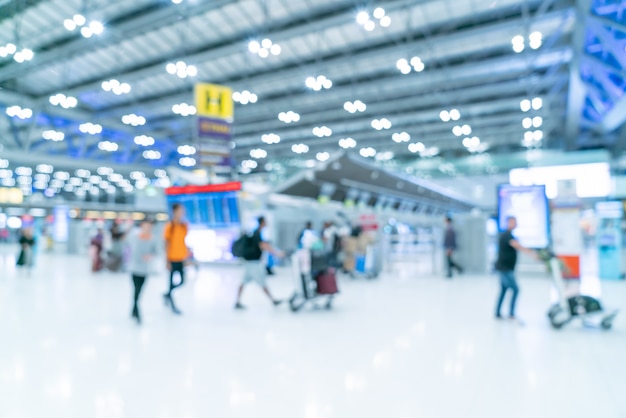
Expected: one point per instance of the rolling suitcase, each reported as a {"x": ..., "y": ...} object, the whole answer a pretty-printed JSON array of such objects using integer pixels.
[{"x": 327, "y": 283}]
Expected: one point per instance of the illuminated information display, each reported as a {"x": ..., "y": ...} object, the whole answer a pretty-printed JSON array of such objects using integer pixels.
[
  {"x": 214, "y": 206},
  {"x": 529, "y": 205}
]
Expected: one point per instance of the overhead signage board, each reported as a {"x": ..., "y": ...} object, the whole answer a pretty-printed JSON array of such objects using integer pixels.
[
  {"x": 214, "y": 101},
  {"x": 11, "y": 195},
  {"x": 215, "y": 114}
]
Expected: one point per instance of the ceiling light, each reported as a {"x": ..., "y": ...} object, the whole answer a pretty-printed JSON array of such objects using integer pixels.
[
  {"x": 4, "y": 163},
  {"x": 108, "y": 146},
  {"x": 380, "y": 124},
  {"x": 79, "y": 19},
  {"x": 133, "y": 120},
  {"x": 417, "y": 147},
  {"x": 466, "y": 129},
  {"x": 86, "y": 32},
  {"x": 401, "y": 137},
  {"x": 250, "y": 164},
  {"x": 51, "y": 135},
  {"x": 96, "y": 27},
  {"x": 537, "y": 121},
  {"x": 322, "y": 156},
  {"x": 367, "y": 152},
  {"x": 144, "y": 140},
  {"x": 525, "y": 105},
  {"x": 457, "y": 131},
  {"x": 322, "y": 131},
  {"x": 538, "y": 135},
  {"x": 181, "y": 69},
  {"x": 362, "y": 18},
  {"x": 346, "y": 143},
  {"x": 69, "y": 24},
  {"x": 18, "y": 112},
  {"x": 104, "y": 171},
  {"x": 244, "y": 97},
  {"x": 258, "y": 153},
  {"x": 264, "y": 48},
  {"x": 384, "y": 156},
  {"x": 300, "y": 148},
  {"x": 45, "y": 168},
  {"x": 187, "y": 162},
  {"x": 385, "y": 22},
  {"x": 318, "y": 83},
  {"x": 66, "y": 102},
  {"x": 184, "y": 109},
  {"x": 151, "y": 155},
  {"x": 537, "y": 103},
  {"x": 186, "y": 150},
  {"x": 289, "y": 117},
  {"x": 415, "y": 64},
  {"x": 353, "y": 107},
  {"x": 270, "y": 139},
  {"x": 90, "y": 128},
  {"x": 535, "y": 40},
  {"x": 444, "y": 115},
  {"x": 518, "y": 43},
  {"x": 116, "y": 87}
]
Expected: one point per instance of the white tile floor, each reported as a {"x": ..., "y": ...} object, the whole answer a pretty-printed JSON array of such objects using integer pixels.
[{"x": 398, "y": 347}]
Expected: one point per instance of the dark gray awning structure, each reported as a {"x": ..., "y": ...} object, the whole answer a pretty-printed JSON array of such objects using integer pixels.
[{"x": 350, "y": 178}]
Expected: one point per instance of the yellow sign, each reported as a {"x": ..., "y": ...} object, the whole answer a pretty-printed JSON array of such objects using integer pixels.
[{"x": 214, "y": 101}]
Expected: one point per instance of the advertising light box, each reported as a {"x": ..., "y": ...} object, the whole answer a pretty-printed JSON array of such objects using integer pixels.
[{"x": 529, "y": 205}]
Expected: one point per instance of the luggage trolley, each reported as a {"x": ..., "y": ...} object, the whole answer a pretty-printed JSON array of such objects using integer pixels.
[
  {"x": 587, "y": 308},
  {"x": 315, "y": 280}
]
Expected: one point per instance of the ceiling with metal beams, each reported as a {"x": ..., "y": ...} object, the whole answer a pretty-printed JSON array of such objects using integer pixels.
[{"x": 410, "y": 80}]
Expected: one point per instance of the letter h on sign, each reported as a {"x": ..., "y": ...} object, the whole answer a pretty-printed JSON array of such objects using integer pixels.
[{"x": 214, "y": 101}]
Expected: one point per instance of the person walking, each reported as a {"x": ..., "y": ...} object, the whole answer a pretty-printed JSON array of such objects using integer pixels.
[
  {"x": 449, "y": 244},
  {"x": 97, "y": 247},
  {"x": 254, "y": 267},
  {"x": 505, "y": 265},
  {"x": 143, "y": 248},
  {"x": 27, "y": 244},
  {"x": 176, "y": 252}
]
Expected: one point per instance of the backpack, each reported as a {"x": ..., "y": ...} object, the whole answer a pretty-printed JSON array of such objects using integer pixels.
[
  {"x": 245, "y": 247},
  {"x": 238, "y": 246}
]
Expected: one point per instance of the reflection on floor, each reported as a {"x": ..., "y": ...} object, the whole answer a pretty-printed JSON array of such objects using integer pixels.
[{"x": 403, "y": 346}]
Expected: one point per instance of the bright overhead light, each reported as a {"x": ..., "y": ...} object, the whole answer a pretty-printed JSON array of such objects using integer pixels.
[
  {"x": 457, "y": 131},
  {"x": 79, "y": 19},
  {"x": 245, "y": 97},
  {"x": 322, "y": 131},
  {"x": 181, "y": 69},
  {"x": 367, "y": 152},
  {"x": 362, "y": 18},
  {"x": 18, "y": 112},
  {"x": 96, "y": 27},
  {"x": 318, "y": 83},
  {"x": 186, "y": 150},
  {"x": 537, "y": 103},
  {"x": 151, "y": 155},
  {"x": 518, "y": 43},
  {"x": 535, "y": 40},
  {"x": 69, "y": 24},
  {"x": 380, "y": 124},
  {"x": 66, "y": 102},
  {"x": 527, "y": 123},
  {"x": 385, "y": 22},
  {"x": 346, "y": 143},
  {"x": 455, "y": 114},
  {"x": 444, "y": 115},
  {"x": 289, "y": 117},
  {"x": 537, "y": 121},
  {"x": 399, "y": 137},
  {"x": 133, "y": 120},
  {"x": 414, "y": 64},
  {"x": 144, "y": 140},
  {"x": 258, "y": 153},
  {"x": 369, "y": 26},
  {"x": 300, "y": 148},
  {"x": 116, "y": 87},
  {"x": 51, "y": 135},
  {"x": 187, "y": 162},
  {"x": 353, "y": 107},
  {"x": 249, "y": 164},
  {"x": 538, "y": 135},
  {"x": 86, "y": 32},
  {"x": 264, "y": 48},
  {"x": 270, "y": 139},
  {"x": 108, "y": 146},
  {"x": 385, "y": 156},
  {"x": 417, "y": 147},
  {"x": 322, "y": 156},
  {"x": 90, "y": 128},
  {"x": 184, "y": 109},
  {"x": 177, "y": 1},
  {"x": 525, "y": 105},
  {"x": 466, "y": 129},
  {"x": 45, "y": 168}
]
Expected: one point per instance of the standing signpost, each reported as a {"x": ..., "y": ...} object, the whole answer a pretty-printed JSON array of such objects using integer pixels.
[{"x": 214, "y": 126}]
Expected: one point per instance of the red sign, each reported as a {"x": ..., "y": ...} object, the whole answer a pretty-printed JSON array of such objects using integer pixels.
[
  {"x": 233, "y": 186},
  {"x": 369, "y": 222}
]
